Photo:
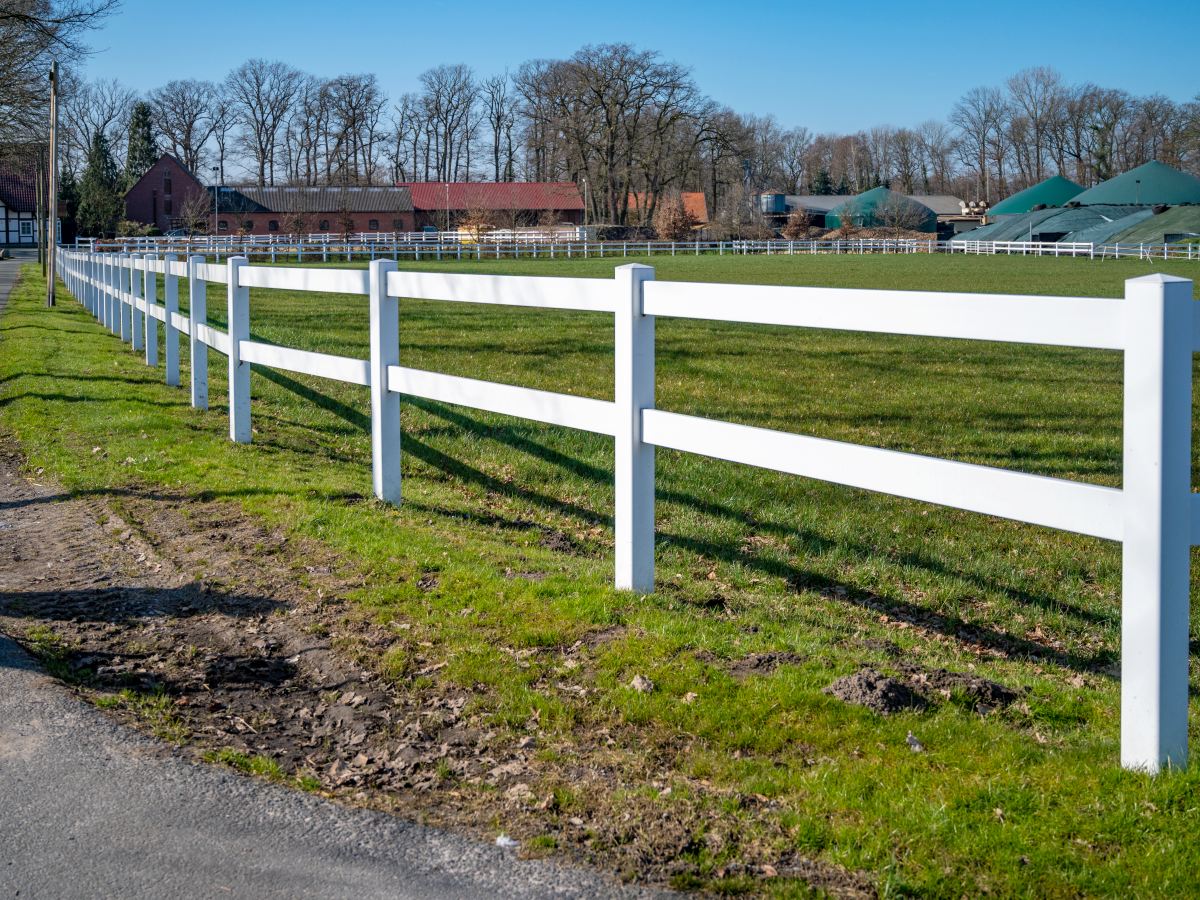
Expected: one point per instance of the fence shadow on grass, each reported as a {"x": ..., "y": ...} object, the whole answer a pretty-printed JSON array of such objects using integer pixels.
[{"x": 951, "y": 626}]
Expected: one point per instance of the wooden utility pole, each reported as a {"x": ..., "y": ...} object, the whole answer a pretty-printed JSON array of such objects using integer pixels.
[
  {"x": 52, "y": 206},
  {"x": 39, "y": 209}
]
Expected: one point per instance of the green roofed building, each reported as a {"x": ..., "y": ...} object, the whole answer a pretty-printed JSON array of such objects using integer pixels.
[
  {"x": 1148, "y": 185},
  {"x": 883, "y": 208},
  {"x": 1054, "y": 191},
  {"x": 1180, "y": 223}
]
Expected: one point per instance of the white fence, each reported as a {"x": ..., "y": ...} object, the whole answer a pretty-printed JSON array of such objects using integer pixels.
[
  {"x": 1154, "y": 515},
  {"x": 450, "y": 245}
]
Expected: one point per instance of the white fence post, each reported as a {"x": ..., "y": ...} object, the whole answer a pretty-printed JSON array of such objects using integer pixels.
[
  {"x": 1157, "y": 501},
  {"x": 150, "y": 296},
  {"x": 123, "y": 282},
  {"x": 110, "y": 308},
  {"x": 170, "y": 308},
  {"x": 239, "y": 372},
  {"x": 634, "y": 471},
  {"x": 137, "y": 283},
  {"x": 197, "y": 349},
  {"x": 385, "y": 404}
]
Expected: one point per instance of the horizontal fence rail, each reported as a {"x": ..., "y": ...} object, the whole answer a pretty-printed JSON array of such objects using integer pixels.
[
  {"x": 494, "y": 245},
  {"x": 1154, "y": 515}
]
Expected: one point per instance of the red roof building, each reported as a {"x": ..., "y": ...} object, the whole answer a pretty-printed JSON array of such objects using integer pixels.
[{"x": 507, "y": 204}]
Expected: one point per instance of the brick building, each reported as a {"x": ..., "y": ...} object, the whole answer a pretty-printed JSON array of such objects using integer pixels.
[{"x": 160, "y": 197}]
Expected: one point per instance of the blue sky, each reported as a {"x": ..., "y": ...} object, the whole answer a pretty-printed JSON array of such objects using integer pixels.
[{"x": 837, "y": 66}]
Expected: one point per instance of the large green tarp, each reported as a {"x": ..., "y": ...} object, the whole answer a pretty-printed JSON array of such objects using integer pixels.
[
  {"x": 880, "y": 207},
  {"x": 1177, "y": 223},
  {"x": 1103, "y": 232},
  {"x": 1147, "y": 185},
  {"x": 1054, "y": 191}
]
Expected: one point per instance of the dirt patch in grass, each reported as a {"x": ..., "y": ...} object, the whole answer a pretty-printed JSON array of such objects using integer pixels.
[
  {"x": 762, "y": 663},
  {"x": 877, "y": 692},
  {"x": 233, "y": 641},
  {"x": 917, "y": 688}
]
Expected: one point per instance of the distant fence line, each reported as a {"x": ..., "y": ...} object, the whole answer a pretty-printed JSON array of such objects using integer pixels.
[
  {"x": 372, "y": 246},
  {"x": 1154, "y": 513}
]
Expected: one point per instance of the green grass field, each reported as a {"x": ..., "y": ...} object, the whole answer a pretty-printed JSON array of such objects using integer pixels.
[{"x": 1026, "y": 801}]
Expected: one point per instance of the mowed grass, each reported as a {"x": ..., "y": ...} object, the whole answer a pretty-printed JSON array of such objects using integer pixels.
[{"x": 1029, "y": 800}]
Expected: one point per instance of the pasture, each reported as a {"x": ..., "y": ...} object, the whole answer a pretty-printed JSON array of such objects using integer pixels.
[{"x": 770, "y": 587}]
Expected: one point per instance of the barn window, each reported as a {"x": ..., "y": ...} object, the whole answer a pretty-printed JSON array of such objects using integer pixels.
[
  {"x": 26, "y": 229},
  {"x": 167, "y": 183},
  {"x": 273, "y": 225},
  {"x": 223, "y": 225},
  {"x": 248, "y": 225},
  {"x": 372, "y": 224},
  {"x": 167, "y": 205},
  {"x": 323, "y": 225},
  {"x": 397, "y": 224}
]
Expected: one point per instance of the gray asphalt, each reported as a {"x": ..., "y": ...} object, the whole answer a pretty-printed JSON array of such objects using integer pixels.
[{"x": 89, "y": 808}]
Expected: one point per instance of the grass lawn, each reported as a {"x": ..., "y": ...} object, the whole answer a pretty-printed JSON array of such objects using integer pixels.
[{"x": 1026, "y": 800}]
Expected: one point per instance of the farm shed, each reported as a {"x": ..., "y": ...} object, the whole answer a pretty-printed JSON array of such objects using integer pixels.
[
  {"x": 305, "y": 210},
  {"x": 1103, "y": 232},
  {"x": 508, "y": 204},
  {"x": 881, "y": 207},
  {"x": 1054, "y": 191},
  {"x": 1147, "y": 185}
]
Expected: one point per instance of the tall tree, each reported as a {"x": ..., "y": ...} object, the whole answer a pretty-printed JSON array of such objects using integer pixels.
[
  {"x": 101, "y": 202},
  {"x": 142, "y": 152},
  {"x": 31, "y": 33},
  {"x": 185, "y": 115},
  {"x": 261, "y": 93}
]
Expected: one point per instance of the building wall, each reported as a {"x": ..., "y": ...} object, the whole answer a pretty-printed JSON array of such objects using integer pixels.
[
  {"x": 158, "y": 197},
  {"x": 17, "y": 228},
  {"x": 260, "y": 223},
  {"x": 501, "y": 218}
]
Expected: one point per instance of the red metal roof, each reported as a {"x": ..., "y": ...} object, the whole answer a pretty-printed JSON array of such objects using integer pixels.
[
  {"x": 464, "y": 195},
  {"x": 18, "y": 177},
  {"x": 693, "y": 201}
]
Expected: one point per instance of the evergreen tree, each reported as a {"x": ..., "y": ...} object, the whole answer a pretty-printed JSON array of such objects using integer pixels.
[
  {"x": 822, "y": 184},
  {"x": 68, "y": 198},
  {"x": 843, "y": 187},
  {"x": 101, "y": 203},
  {"x": 142, "y": 151}
]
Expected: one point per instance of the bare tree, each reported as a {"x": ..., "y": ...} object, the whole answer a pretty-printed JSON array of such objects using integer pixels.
[
  {"x": 185, "y": 115},
  {"x": 261, "y": 93},
  {"x": 500, "y": 112},
  {"x": 31, "y": 33},
  {"x": 88, "y": 108},
  {"x": 1037, "y": 94}
]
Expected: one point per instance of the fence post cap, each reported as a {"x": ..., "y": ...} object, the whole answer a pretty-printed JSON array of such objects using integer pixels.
[{"x": 1157, "y": 278}]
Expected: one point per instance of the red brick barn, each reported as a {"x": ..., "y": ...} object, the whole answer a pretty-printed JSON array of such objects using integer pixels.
[{"x": 158, "y": 197}]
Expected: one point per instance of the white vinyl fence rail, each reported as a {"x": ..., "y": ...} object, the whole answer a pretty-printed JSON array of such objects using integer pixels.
[
  {"x": 1154, "y": 514},
  {"x": 504, "y": 245}
]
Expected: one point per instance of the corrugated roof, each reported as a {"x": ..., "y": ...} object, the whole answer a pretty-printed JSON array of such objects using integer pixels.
[
  {"x": 18, "y": 177},
  {"x": 505, "y": 195},
  {"x": 1147, "y": 185},
  {"x": 819, "y": 203},
  {"x": 942, "y": 204},
  {"x": 327, "y": 199},
  {"x": 1009, "y": 228},
  {"x": 1054, "y": 191}
]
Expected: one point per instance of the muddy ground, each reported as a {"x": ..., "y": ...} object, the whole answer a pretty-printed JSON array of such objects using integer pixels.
[{"x": 232, "y": 642}]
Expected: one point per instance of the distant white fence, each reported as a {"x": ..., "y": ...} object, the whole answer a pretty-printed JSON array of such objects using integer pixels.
[
  {"x": 450, "y": 245},
  {"x": 1155, "y": 515}
]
